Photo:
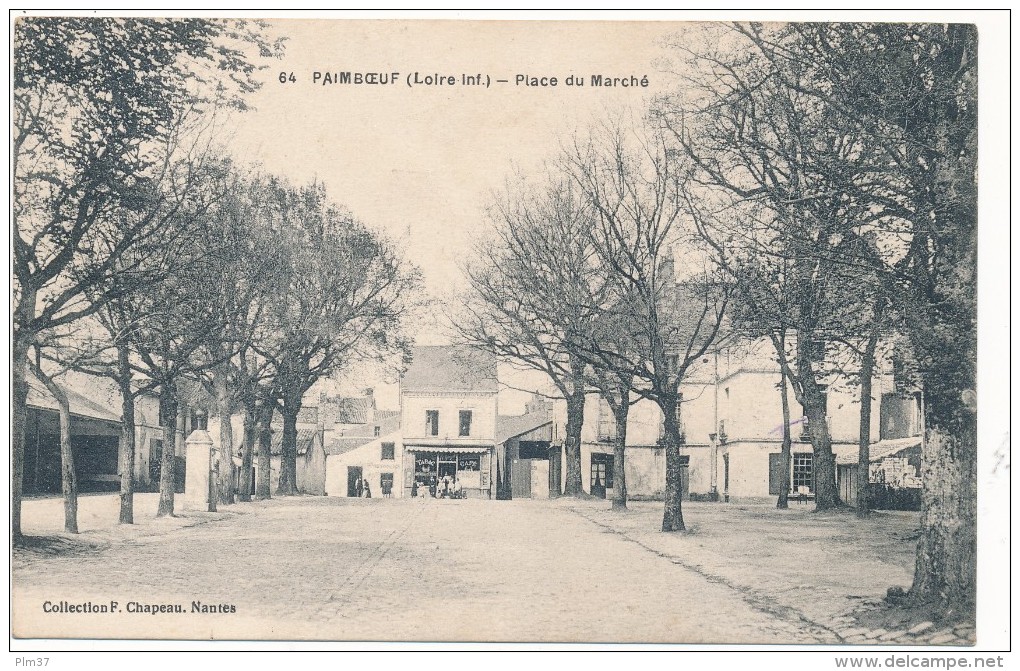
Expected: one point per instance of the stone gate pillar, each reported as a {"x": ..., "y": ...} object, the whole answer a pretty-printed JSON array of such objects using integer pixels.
[{"x": 198, "y": 454}]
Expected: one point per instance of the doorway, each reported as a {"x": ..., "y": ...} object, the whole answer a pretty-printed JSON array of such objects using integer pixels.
[
  {"x": 601, "y": 474},
  {"x": 447, "y": 466},
  {"x": 353, "y": 476}
]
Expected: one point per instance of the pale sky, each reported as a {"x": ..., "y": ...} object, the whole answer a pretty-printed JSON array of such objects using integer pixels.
[{"x": 422, "y": 162}]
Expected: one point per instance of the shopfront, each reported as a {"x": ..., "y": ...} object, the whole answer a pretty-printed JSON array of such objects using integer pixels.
[{"x": 467, "y": 465}]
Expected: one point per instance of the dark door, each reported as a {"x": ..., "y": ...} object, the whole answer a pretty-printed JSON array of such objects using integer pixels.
[
  {"x": 353, "y": 476},
  {"x": 156, "y": 461},
  {"x": 685, "y": 477},
  {"x": 776, "y": 464},
  {"x": 601, "y": 474},
  {"x": 520, "y": 479},
  {"x": 555, "y": 470}
]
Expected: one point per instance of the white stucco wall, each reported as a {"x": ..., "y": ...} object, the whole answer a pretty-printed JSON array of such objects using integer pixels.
[
  {"x": 483, "y": 415},
  {"x": 369, "y": 458}
]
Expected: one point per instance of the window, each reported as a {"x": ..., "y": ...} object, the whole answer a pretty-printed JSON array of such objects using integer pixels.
[
  {"x": 607, "y": 422},
  {"x": 431, "y": 422},
  {"x": 816, "y": 350},
  {"x": 803, "y": 472},
  {"x": 386, "y": 483},
  {"x": 388, "y": 452},
  {"x": 377, "y": 431},
  {"x": 601, "y": 472},
  {"x": 465, "y": 423}
]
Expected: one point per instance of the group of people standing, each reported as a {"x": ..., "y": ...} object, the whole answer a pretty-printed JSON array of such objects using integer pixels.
[
  {"x": 362, "y": 489},
  {"x": 447, "y": 487}
]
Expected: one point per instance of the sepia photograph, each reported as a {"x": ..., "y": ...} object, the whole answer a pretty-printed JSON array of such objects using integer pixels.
[{"x": 657, "y": 331}]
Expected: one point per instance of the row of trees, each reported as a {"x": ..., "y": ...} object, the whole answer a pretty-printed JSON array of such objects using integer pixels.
[
  {"x": 142, "y": 254},
  {"x": 810, "y": 184}
]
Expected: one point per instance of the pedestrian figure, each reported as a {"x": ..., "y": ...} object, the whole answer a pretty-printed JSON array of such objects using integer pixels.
[
  {"x": 432, "y": 486},
  {"x": 359, "y": 488},
  {"x": 368, "y": 490},
  {"x": 414, "y": 489}
]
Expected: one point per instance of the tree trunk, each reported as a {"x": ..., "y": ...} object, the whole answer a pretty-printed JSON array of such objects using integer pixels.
[
  {"x": 783, "y": 502},
  {"x": 572, "y": 442},
  {"x": 168, "y": 415},
  {"x": 824, "y": 462},
  {"x": 288, "y": 451},
  {"x": 265, "y": 433},
  {"x": 945, "y": 573},
  {"x": 225, "y": 477},
  {"x": 68, "y": 479},
  {"x": 127, "y": 437},
  {"x": 672, "y": 515},
  {"x": 619, "y": 464},
  {"x": 864, "y": 439},
  {"x": 19, "y": 418},
  {"x": 247, "y": 452}
]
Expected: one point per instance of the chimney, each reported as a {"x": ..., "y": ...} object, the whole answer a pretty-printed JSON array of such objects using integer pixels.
[{"x": 369, "y": 394}]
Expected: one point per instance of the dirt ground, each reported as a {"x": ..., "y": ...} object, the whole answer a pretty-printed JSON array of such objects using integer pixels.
[{"x": 317, "y": 568}]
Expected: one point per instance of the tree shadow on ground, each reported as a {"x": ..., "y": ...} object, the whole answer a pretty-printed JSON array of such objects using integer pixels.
[{"x": 55, "y": 546}]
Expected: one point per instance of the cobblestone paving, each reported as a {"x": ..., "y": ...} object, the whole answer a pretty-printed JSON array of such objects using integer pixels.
[{"x": 338, "y": 569}]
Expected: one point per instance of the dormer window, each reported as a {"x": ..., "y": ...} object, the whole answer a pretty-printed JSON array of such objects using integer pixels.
[{"x": 431, "y": 422}]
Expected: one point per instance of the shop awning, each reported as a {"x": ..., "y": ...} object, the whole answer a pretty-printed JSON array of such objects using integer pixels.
[{"x": 467, "y": 449}]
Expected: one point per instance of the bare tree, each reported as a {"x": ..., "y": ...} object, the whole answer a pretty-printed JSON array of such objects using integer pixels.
[
  {"x": 788, "y": 190},
  {"x": 915, "y": 88},
  {"x": 85, "y": 144},
  {"x": 68, "y": 476},
  {"x": 638, "y": 188},
  {"x": 344, "y": 295},
  {"x": 884, "y": 145},
  {"x": 530, "y": 295}
]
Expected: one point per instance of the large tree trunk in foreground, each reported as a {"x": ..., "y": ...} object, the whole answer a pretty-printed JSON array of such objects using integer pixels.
[
  {"x": 265, "y": 434},
  {"x": 168, "y": 406},
  {"x": 127, "y": 437},
  {"x": 19, "y": 418},
  {"x": 783, "y": 502},
  {"x": 945, "y": 572},
  {"x": 288, "y": 452},
  {"x": 572, "y": 443},
  {"x": 225, "y": 477},
  {"x": 672, "y": 514},
  {"x": 68, "y": 479},
  {"x": 619, "y": 463},
  {"x": 247, "y": 453},
  {"x": 864, "y": 440}
]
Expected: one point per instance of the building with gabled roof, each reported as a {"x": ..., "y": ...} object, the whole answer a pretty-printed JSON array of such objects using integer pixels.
[
  {"x": 448, "y": 410},
  {"x": 373, "y": 455},
  {"x": 447, "y": 369}
]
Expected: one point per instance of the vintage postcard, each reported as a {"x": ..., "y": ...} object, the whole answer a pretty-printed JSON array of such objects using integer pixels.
[{"x": 631, "y": 329}]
